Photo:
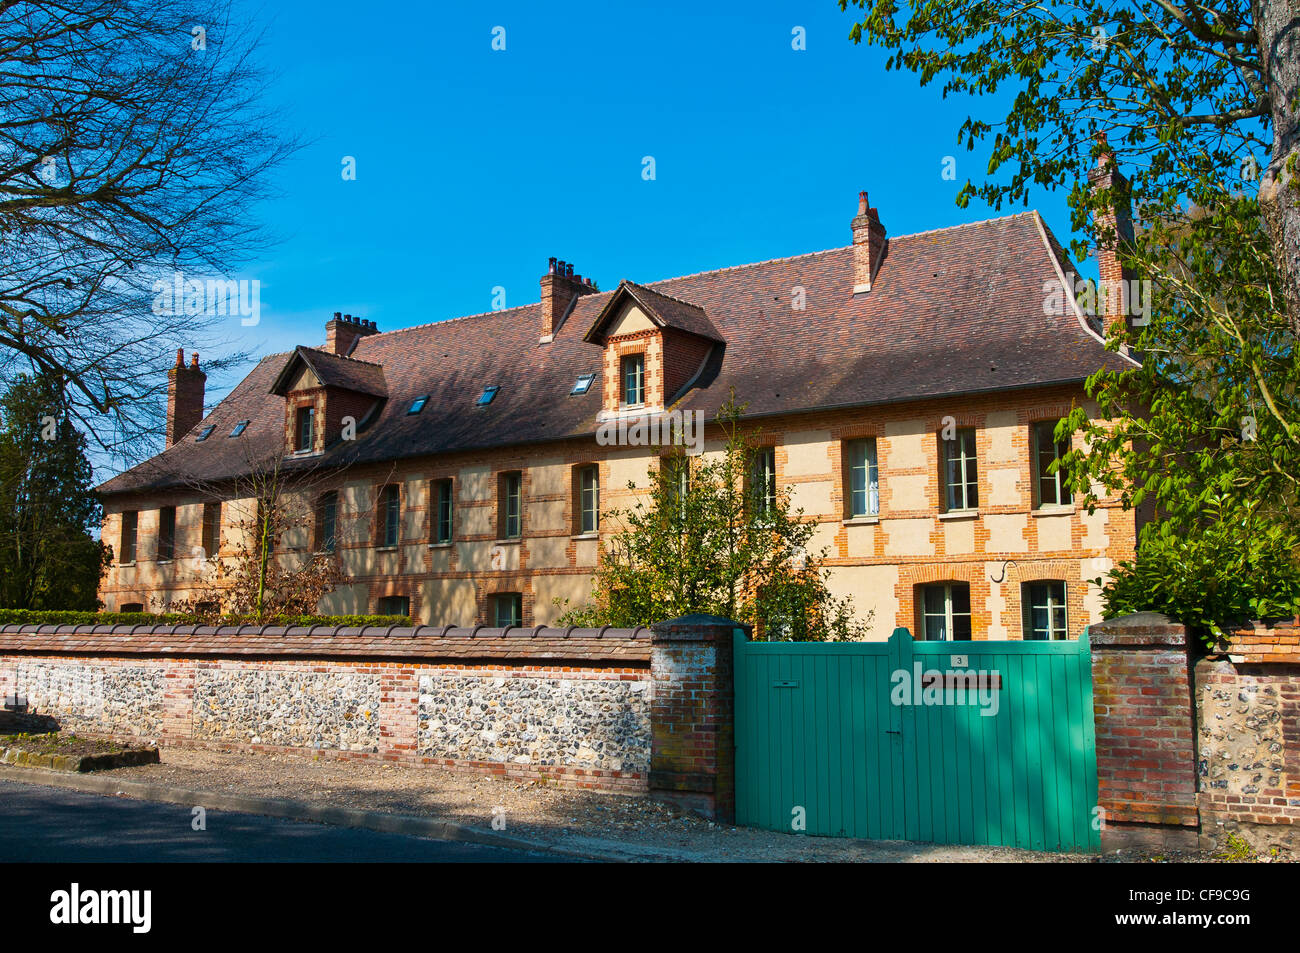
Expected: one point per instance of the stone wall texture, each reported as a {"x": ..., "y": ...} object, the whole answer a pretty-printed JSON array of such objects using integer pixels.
[{"x": 111, "y": 696}]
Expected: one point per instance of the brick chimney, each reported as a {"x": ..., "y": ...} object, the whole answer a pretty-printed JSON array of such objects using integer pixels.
[
  {"x": 343, "y": 332},
  {"x": 1112, "y": 226},
  {"x": 869, "y": 245},
  {"x": 560, "y": 289},
  {"x": 184, "y": 397}
]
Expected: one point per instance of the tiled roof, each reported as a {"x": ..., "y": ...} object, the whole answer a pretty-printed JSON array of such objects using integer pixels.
[
  {"x": 665, "y": 311},
  {"x": 952, "y": 311},
  {"x": 333, "y": 370}
]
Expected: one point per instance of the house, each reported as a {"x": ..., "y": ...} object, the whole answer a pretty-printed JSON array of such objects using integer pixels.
[{"x": 905, "y": 389}]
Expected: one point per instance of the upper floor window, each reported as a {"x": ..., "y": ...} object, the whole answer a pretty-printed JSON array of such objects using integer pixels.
[
  {"x": 508, "y": 609},
  {"x": 306, "y": 429},
  {"x": 489, "y": 393},
  {"x": 945, "y": 612},
  {"x": 166, "y": 533},
  {"x": 327, "y": 517},
  {"x": 1044, "y": 610},
  {"x": 1051, "y": 487},
  {"x": 239, "y": 428},
  {"x": 762, "y": 479},
  {"x": 510, "y": 505},
  {"x": 960, "y": 472},
  {"x": 390, "y": 515},
  {"x": 583, "y": 384},
  {"x": 442, "y": 498},
  {"x": 211, "y": 529},
  {"x": 863, "y": 478},
  {"x": 633, "y": 380},
  {"x": 417, "y": 405},
  {"x": 130, "y": 527},
  {"x": 205, "y": 433},
  {"x": 587, "y": 496}
]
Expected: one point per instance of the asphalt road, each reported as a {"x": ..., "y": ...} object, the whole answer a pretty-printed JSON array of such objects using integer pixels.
[{"x": 55, "y": 825}]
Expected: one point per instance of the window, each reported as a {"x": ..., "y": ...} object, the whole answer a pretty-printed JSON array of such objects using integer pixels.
[
  {"x": 762, "y": 479},
  {"x": 1044, "y": 610},
  {"x": 863, "y": 478},
  {"x": 306, "y": 429},
  {"x": 130, "y": 524},
  {"x": 1050, "y": 487},
  {"x": 586, "y": 486},
  {"x": 166, "y": 533},
  {"x": 131, "y": 607},
  {"x": 390, "y": 515},
  {"x": 239, "y": 428},
  {"x": 327, "y": 518},
  {"x": 417, "y": 405},
  {"x": 485, "y": 398},
  {"x": 205, "y": 433},
  {"x": 508, "y": 609},
  {"x": 959, "y": 471},
  {"x": 583, "y": 384},
  {"x": 394, "y": 605},
  {"x": 510, "y": 505},
  {"x": 945, "y": 612},
  {"x": 677, "y": 470},
  {"x": 442, "y": 511},
  {"x": 634, "y": 380},
  {"x": 211, "y": 529}
]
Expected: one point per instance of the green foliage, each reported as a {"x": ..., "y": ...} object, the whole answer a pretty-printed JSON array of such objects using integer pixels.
[
  {"x": 48, "y": 510},
  {"x": 706, "y": 539},
  {"x": 47, "y": 617},
  {"x": 1235, "y": 567}
]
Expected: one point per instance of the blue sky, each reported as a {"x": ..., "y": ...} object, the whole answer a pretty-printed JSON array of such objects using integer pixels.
[{"x": 473, "y": 166}]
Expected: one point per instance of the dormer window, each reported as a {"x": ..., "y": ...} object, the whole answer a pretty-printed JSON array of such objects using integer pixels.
[
  {"x": 488, "y": 393},
  {"x": 583, "y": 385},
  {"x": 306, "y": 429},
  {"x": 417, "y": 405},
  {"x": 633, "y": 377},
  {"x": 239, "y": 428},
  {"x": 205, "y": 433}
]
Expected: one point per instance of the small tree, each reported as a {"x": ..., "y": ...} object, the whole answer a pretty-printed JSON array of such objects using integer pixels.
[
  {"x": 49, "y": 558},
  {"x": 711, "y": 538}
]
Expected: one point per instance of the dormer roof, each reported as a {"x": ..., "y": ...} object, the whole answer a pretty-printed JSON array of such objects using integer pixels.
[
  {"x": 331, "y": 370},
  {"x": 664, "y": 310}
]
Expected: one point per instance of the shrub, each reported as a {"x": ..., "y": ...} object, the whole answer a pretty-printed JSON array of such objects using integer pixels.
[{"x": 54, "y": 617}]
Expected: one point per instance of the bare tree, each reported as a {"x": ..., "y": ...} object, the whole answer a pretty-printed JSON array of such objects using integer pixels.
[{"x": 132, "y": 148}]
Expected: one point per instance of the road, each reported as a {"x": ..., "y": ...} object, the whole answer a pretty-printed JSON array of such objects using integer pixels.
[{"x": 47, "y": 824}]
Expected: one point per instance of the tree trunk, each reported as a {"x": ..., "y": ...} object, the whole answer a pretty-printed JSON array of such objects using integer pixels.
[{"x": 1278, "y": 24}]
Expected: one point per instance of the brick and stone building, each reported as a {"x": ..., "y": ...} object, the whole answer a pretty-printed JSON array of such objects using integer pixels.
[{"x": 907, "y": 387}]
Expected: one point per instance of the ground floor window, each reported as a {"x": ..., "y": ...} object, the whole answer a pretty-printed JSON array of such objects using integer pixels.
[
  {"x": 508, "y": 609},
  {"x": 395, "y": 605},
  {"x": 945, "y": 612},
  {"x": 1044, "y": 610}
]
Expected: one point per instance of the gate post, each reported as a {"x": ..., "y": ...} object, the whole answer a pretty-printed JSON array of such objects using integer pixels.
[{"x": 692, "y": 716}]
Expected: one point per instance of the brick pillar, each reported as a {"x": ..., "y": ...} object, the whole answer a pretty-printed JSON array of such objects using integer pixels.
[
  {"x": 178, "y": 701},
  {"x": 1142, "y": 702},
  {"x": 692, "y": 716},
  {"x": 399, "y": 714}
]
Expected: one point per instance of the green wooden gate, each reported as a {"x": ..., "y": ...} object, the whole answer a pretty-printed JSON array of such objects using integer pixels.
[{"x": 946, "y": 742}]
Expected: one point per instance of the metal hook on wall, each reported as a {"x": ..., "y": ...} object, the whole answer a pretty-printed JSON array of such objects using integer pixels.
[{"x": 1003, "y": 578}]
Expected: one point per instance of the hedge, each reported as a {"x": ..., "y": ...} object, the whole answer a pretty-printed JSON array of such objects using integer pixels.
[{"x": 53, "y": 617}]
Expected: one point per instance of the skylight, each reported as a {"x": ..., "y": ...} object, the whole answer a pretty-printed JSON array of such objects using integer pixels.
[
  {"x": 417, "y": 405},
  {"x": 583, "y": 385},
  {"x": 488, "y": 393},
  {"x": 205, "y": 433},
  {"x": 239, "y": 428}
]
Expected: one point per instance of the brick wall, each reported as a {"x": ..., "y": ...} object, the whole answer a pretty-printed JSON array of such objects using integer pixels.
[{"x": 1144, "y": 721}]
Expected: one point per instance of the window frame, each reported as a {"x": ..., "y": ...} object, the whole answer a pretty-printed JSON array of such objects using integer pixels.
[
  {"x": 211, "y": 529},
  {"x": 870, "y": 465},
  {"x": 505, "y": 497},
  {"x": 390, "y": 512},
  {"x": 401, "y": 600},
  {"x": 205, "y": 433},
  {"x": 305, "y": 429},
  {"x": 1051, "y": 605},
  {"x": 238, "y": 429},
  {"x": 131, "y": 517},
  {"x": 582, "y": 385},
  {"x": 327, "y": 503},
  {"x": 489, "y": 394},
  {"x": 969, "y": 475},
  {"x": 762, "y": 480},
  {"x": 417, "y": 405},
  {"x": 627, "y": 361},
  {"x": 949, "y": 614},
  {"x": 516, "y": 605},
  {"x": 586, "y": 499},
  {"x": 438, "y": 518},
  {"x": 166, "y": 551},
  {"x": 1062, "y": 492}
]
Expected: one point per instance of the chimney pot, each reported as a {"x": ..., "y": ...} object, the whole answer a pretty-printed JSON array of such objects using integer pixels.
[
  {"x": 568, "y": 271},
  {"x": 869, "y": 245},
  {"x": 180, "y": 357},
  {"x": 194, "y": 360},
  {"x": 551, "y": 269}
]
